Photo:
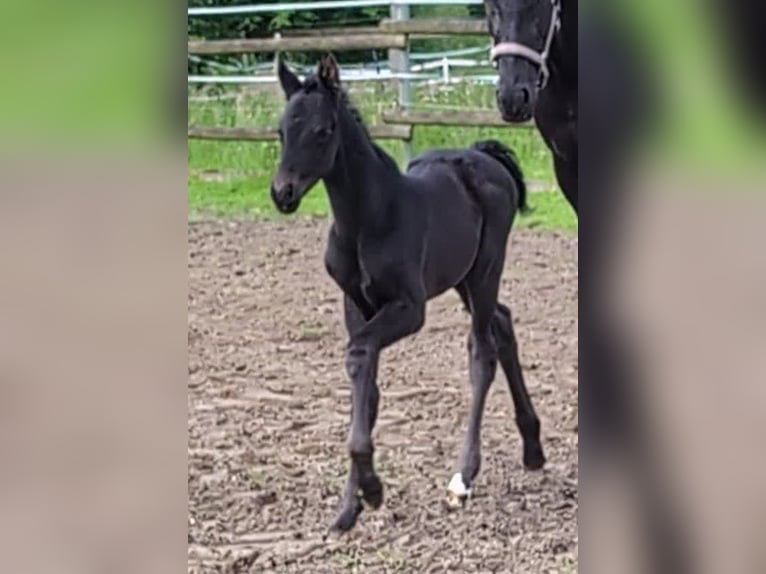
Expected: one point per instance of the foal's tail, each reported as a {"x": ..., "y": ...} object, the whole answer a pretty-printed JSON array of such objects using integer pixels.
[{"x": 506, "y": 157}]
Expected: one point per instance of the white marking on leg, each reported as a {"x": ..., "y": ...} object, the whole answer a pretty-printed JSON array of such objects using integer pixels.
[
  {"x": 457, "y": 491},
  {"x": 457, "y": 486}
]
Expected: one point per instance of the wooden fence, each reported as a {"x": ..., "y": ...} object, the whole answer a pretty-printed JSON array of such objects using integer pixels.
[
  {"x": 311, "y": 43},
  {"x": 391, "y": 35},
  {"x": 456, "y": 118},
  {"x": 380, "y": 132}
]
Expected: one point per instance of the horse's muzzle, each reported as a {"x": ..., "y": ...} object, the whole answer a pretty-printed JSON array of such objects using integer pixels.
[
  {"x": 285, "y": 196},
  {"x": 516, "y": 103}
]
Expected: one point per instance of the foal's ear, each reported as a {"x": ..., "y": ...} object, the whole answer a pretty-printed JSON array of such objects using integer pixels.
[
  {"x": 289, "y": 81},
  {"x": 328, "y": 71}
]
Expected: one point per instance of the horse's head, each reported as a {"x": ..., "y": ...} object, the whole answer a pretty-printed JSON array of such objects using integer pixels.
[
  {"x": 307, "y": 132},
  {"x": 522, "y": 33}
]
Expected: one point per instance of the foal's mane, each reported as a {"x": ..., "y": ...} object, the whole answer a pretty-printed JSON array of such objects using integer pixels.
[{"x": 313, "y": 82}]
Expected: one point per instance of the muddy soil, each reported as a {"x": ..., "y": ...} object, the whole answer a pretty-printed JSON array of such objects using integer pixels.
[{"x": 268, "y": 408}]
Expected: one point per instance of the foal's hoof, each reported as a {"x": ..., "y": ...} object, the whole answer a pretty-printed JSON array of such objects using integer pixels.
[
  {"x": 346, "y": 519},
  {"x": 534, "y": 459},
  {"x": 372, "y": 492},
  {"x": 457, "y": 492}
]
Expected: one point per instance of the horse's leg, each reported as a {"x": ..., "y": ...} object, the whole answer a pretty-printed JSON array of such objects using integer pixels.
[
  {"x": 352, "y": 503},
  {"x": 394, "y": 321},
  {"x": 480, "y": 290},
  {"x": 526, "y": 418}
]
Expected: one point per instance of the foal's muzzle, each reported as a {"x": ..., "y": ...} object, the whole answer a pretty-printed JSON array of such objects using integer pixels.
[{"x": 285, "y": 196}]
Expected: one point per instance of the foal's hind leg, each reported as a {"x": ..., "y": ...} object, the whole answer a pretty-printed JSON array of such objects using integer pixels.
[
  {"x": 526, "y": 418},
  {"x": 480, "y": 294}
]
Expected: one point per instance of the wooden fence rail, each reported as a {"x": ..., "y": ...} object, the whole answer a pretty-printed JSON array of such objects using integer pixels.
[
  {"x": 399, "y": 125},
  {"x": 380, "y": 132},
  {"x": 479, "y": 118},
  {"x": 390, "y": 34},
  {"x": 300, "y": 44}
]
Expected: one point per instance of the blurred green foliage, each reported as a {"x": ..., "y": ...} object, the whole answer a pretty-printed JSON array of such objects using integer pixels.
[{"x": 80, "y": 71}]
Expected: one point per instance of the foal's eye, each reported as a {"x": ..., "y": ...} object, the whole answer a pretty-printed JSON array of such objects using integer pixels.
[{"x": 323, "y": 133}]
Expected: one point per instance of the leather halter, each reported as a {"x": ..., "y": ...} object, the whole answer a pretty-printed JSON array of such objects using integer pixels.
[{"x": 540, "y": 59}]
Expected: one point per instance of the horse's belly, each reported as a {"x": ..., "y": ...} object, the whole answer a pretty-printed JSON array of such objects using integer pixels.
[{"x": 452, "y": 244}]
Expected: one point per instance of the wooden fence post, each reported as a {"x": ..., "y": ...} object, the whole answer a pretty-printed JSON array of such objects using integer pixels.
[{"x": 277, "y": 55}]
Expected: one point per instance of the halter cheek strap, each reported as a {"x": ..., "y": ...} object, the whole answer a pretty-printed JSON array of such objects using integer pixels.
[{"x": 540, "y": 59}]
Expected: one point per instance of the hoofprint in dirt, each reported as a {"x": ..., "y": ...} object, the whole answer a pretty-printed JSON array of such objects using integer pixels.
[{"x": 269, "y": 411}]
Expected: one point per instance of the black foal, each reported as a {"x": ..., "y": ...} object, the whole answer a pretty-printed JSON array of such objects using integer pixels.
[{"x": 398, "y": 240}]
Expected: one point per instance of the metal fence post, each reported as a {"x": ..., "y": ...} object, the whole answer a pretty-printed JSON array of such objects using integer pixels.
[{"x": 399, "y": 62}]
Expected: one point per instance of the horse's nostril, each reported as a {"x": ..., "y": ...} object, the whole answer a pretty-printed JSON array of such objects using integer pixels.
[
  {"x": 525, "y": 95},
  {"x": 284, "y": 193}
]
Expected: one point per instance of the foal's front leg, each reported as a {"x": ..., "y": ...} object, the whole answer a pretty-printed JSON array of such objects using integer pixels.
[
  {"x": 352, "y": 503},
  {"x": 393, "y": 322}
]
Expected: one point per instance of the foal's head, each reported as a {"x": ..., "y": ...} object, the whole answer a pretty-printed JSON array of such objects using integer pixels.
[
  {"x": 522, "y": 33},
  {"x": 307, "y": 131}
]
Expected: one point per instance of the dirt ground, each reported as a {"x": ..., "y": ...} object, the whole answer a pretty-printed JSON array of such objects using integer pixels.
[{"x": 269, "y": 407}]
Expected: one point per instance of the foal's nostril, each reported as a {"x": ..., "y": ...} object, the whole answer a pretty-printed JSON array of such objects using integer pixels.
[{"x": 283, "y": 194}]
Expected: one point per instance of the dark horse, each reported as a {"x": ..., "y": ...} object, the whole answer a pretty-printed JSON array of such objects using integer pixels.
[
  {"x": 541, "y": 66},
  {"x": 398, "y": 240},
  {"x": 535, "y": 52}
]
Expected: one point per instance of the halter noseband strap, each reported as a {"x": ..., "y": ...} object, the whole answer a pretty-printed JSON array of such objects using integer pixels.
[{"x": 540, "y": 59}]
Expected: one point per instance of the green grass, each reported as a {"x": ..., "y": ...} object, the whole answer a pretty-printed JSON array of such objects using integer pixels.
[
  {"x": 249, "y": 198},
  {"x": 549, "y": 210},
  {"x": 231, "y": 179}
]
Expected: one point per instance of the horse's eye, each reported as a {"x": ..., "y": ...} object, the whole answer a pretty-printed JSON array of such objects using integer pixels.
[{"x": 324, "y": 133}]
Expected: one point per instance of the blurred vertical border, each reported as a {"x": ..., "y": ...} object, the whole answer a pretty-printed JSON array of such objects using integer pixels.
[
  {"x": 672, "y": 277},
  {"x": 93, "y": 288}
]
